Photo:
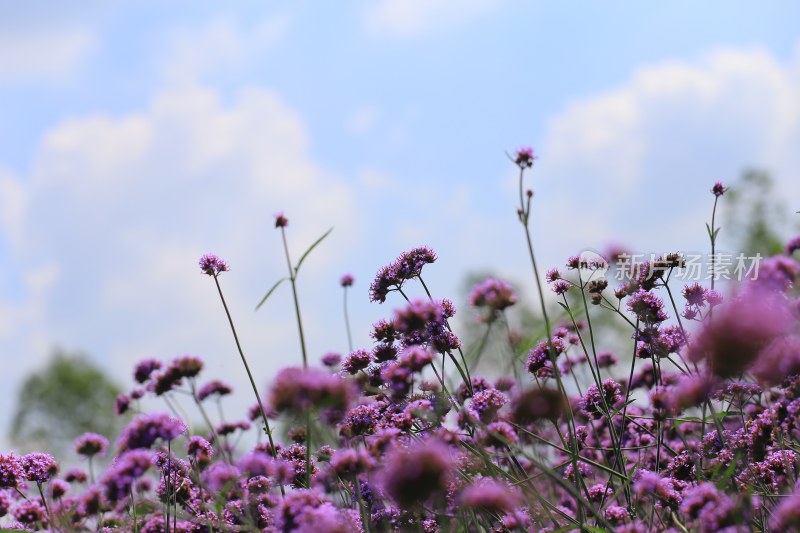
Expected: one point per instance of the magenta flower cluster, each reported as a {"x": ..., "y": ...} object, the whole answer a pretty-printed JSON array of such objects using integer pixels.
[{"x": 696, "y": 427}]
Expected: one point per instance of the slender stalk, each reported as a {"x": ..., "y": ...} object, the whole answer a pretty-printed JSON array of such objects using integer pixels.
[
  {"x": 524, "y": 217},
  {"x": 249, "y": 374},
  {"x": 347, "y": 321},
  {"x": 713, "y": 240},
  {"x": 293, "y": 280}
]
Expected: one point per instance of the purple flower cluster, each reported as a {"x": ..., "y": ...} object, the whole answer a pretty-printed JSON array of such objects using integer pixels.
[
  {"x": 146, "y": 429},
  {"x": 392, "y": 276},
  {"x": 212, "y": 265},
  {"x": 694, "y": 426},
  {"x": 492, "y": 295}
]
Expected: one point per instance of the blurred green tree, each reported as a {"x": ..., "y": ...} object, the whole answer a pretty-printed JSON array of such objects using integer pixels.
[
  {"x": 755, "y": 218},
  {"x": 59, "y": 402}
]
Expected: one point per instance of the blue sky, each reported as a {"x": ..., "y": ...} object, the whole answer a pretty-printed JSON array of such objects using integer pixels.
[{"x": 134, "y": 138}]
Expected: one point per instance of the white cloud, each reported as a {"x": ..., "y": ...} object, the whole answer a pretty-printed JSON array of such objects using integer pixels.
[
  {"x": 647, "y": 152},
  {"x": 221, "y": 44},
  {"x": 118, "y": 209},
  {"x": 413, "y": 17},
  {"x": 39, "y": 54}
]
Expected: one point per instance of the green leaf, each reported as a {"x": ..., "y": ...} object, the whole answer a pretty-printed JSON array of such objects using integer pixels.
[
  {"x": 302, "y": 258},
  {"x": 269, "y": 292},
  {"x": 716, "y": 232},
  {"x": 708, "y": 229}
]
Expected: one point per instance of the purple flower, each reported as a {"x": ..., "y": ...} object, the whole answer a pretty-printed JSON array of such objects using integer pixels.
[
  {"x": 537, "y": 404},
  {"x": 126, "y": 468},
  {"x": 220, "y": 476},
  {"x": 778, "y": 361},
  {"x": 695, "y": 294},
  {"x": 777, "y": 273},
  {"x": 793, "y": 245},
  {"x": 280, "y": 220},
  {"x": 561, "y": 286},
  {"x": 213, "y": 387},
  {"x": 415, "y": 474},
  {"x": 524, "y": 156},
  {"x": 90, "y": 444},
  {"x": 594, "y": 404},
  {"x": 647, "y": 307},
  {"x": 491, "y": 496},
  {"x": 331, "y": 359},
  {"x": 407, "y": 266},
  {"x": 355, "y": 361},
  {"x": 298, "y": 390},
  {"x": 616, "y": 514},
  {"x": 121, "y": 404},
  {"x": 786, "y": 515},
  {"x": 212, "y": 265},
  {"x": 5, "y": 503},
  {"x": 39, "y": 467},
  {"x": 58, "y": 487},
  {"x": 11, "y": 473},
  {"x": 493, "y": 294},
  {"x": 199, "y": 449},
  {"x": 737, "y": 332},
  {"x": 144, "y": 369},
  {"x": 718, "y": 189},
  {"x": 347, "y": 280},
  {"x": 485, "y": 404},
  {"x": 145, "y": 429},
  {"x": 30, "y": 512},
  {"x": 709, "y": 509},
  {"x": 76, "y": 475}
]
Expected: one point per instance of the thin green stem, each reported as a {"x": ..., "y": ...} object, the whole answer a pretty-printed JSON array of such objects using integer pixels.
[
  {"x": 347, "y": 321},
  {"x": 293, "y": 280},
  {"x": 249, "y": 374}
]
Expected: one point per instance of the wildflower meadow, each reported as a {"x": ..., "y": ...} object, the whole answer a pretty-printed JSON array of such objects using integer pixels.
[{"x": 695, "y": 426}]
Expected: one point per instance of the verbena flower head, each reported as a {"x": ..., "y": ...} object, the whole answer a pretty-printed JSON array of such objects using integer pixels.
[
  {"x": 299, "y": 390},
  {"x": 331, "y": 359},
  {"x": 347, "y": 280},
  {"x": 30, "y": 513},
  {"x": 489, "y": 495},
  {"x": 280, "y": 220},
  {"x": 90, "y": 444},
  {"x": 778, "y": 361},
  {"x": 39, "y": 467},
  {"x": 212, "y": 265},
  {"x": 146, "y": 429},
  {"x": 718, "y": 189},
  {"x": 594, "y": 404},
  {"x": 524, "y": 156},
  {"x": 145, "y": 368},
  {"x": 214, "y": 387},
  {"x": 414, "y": 474},
  {"x": 126, "y": 468},
  {"x": 11, "y": 473},
  {"x": 737, "y": 332},
  {"x": 494, "y": 295},
  {"x": 407, "y": 266},
  {"x": 647, "y": 307},
  {"x": 793, "y": 245}
]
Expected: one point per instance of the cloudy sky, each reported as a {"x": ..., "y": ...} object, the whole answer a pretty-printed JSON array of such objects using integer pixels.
[{"x": 134, "y": 138}]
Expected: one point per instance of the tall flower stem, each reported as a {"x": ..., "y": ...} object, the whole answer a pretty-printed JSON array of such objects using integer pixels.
[
  {"x": 524, "y": 217},
  {"x": 293, "y": 280},
  {"x": 249, "y": 374},
  {"x": 347, "y": 320}
]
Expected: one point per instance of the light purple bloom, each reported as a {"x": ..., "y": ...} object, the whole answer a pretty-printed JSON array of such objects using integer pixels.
[
  {"x": 39, "y": 467},
  {"x": 146, "y": 429},
  {"x": 212, "y": 265},
  {"x": 90, "y": 444}
]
